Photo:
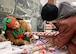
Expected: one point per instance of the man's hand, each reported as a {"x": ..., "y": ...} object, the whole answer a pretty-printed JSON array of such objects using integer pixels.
[{"x": 28, "y": 35}]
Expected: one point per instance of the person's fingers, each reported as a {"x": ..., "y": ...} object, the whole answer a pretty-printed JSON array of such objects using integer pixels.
[
  {"x": 56, "y": 33},
  {"x": 28, "y": 34}
]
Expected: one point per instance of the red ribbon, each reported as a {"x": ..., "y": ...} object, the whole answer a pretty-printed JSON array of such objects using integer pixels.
[{"x": 20, "y": 36}]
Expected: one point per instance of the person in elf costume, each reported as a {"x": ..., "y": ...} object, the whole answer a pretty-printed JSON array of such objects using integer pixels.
[{"x": 14, "y": 29}]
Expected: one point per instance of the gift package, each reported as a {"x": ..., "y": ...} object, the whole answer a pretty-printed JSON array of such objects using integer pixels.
[{"x": 40, "y": 43}]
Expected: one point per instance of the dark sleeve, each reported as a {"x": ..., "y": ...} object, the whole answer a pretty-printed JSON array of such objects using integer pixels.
[{"x": 64, "y": 36}]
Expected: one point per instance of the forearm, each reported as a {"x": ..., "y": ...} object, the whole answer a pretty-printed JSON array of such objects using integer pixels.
[{"x": 17, "y": 41}]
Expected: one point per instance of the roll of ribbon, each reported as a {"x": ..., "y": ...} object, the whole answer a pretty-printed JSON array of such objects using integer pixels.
[{"x": 42, "y": 33}]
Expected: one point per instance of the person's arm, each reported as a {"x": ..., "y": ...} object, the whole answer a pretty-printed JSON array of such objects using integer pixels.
[
  {"x": 15, "y": 41},
  {"x": 2, "y": 38},
  {"x": 64, "y": 36},
  {"x": 26, "y": 26}
]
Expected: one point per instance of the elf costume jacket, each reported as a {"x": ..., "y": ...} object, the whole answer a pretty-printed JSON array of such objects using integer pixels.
[{"x": 17, "y": 37}]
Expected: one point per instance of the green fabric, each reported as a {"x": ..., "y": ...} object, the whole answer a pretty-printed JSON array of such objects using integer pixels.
[
  {"x": 25, "y": 38},
  {"x": 17, "y": 33},
  {"x": 5, "y": 21}
]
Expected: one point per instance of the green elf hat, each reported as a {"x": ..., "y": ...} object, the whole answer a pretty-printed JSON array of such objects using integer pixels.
[{"x": 8, "y": 22}]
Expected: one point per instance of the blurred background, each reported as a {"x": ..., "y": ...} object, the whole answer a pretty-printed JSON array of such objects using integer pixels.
[{"x": 27, "y": 9}]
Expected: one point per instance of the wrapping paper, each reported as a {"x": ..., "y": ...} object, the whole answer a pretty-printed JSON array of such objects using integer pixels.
[
  {"x": 7, "y": 48},
  {"x": 41, "y": 50},
  {"x": 41, "y": 45}
]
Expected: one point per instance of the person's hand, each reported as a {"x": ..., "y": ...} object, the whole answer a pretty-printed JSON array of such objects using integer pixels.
[
  {"x": 55, "y": 33},
  {"x": 4, "y": 39},
  {"x": 51, "y": 25},
  {"x": 52, "y": 41},
  {"x": 28, "y": 34},
  {"x": 26, "y": 42}
]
